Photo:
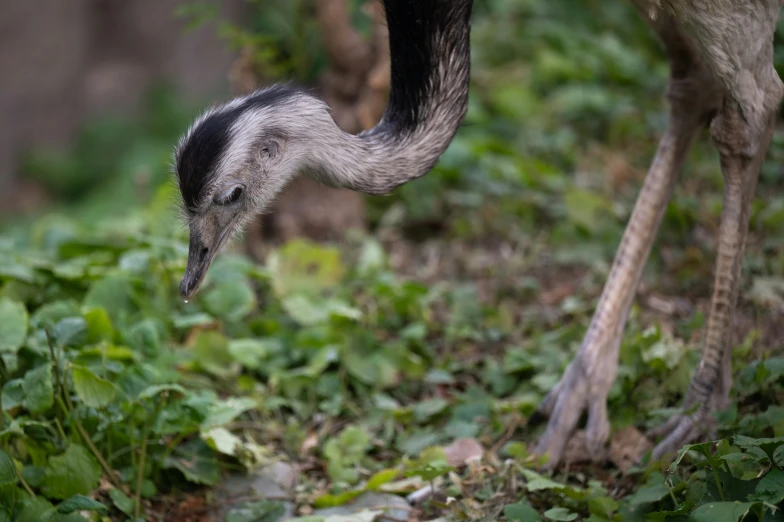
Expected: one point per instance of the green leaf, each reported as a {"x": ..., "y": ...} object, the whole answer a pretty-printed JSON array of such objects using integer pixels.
[
  {"x": 560, "y": 514},
  {"x": 80, "y": 503},
  {"x": 212, "y": 355},
  {"x": 258, "y": 511},
  {"x": 380, "y": 478},
  {"x": 13, "y": 325},
  {"x": 721, "y": 512},
  {"x": 222, "y": 440},
  {"x": 99, "y": 326},
  {"x": 70, "y": 331},
  {"x": 768, "y": 445},
  {"x": 196, "y": 461},
  {"x": 303, "y": 267},
  {"x": 231, "y": 299},
  {"x": 36, "y": 509},
  {"x": 602, "y": 506},
  {"x": 327, "y": 500},
  {"x": 113, "y": 293},
  {"x": 537, "y": 482},
  {"x": 94, "y": 391},
  {"x": 521, "y": 512},
  {"x": 72, "y": 473},
  {"x": 250, "y": 353},
  {"x": 152, "y": 391},
  {"x": 703, "y": 447},
  {"x": 653, "y": 491},
  {"x": 222, "y": 413},
  {"x": 122, "y": 501},
  {"x": 771, "y": 488},
  {"x": 7, "y": 470},
  {"x": 38, "y": 389},
  {"x": 304, "y": 310}
]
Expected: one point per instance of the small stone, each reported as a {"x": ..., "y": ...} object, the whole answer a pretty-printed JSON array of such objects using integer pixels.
[
  {"x": 274, "y": 482},
  {"x": 627, "y": 446},
  {"x": 462, "y": 451},
  {"x": 393, "y": 506}
]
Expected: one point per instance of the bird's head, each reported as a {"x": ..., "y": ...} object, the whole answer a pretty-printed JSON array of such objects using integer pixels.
[{"x": 232, "y": 163}]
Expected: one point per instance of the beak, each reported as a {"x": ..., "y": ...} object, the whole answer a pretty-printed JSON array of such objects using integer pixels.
[{"x": 200, "y": 256}]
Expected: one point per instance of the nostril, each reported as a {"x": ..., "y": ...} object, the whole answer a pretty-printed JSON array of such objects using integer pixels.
[{"x": 204, "y": 251}]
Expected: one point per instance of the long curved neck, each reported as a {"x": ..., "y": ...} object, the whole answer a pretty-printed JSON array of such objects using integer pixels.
[{"x": 430, "y": 57}]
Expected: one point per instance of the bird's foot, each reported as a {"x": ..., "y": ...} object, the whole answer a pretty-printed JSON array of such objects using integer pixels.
[
  {"x": 683, "y": 428},
  {"x": 579, "y": 390}
]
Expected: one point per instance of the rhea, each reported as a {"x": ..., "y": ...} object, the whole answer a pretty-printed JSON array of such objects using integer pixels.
[{"x": 237, "y": 157}]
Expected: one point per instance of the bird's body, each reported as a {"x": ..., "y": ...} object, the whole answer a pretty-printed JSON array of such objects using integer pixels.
[{"x": 237, "y": 157}]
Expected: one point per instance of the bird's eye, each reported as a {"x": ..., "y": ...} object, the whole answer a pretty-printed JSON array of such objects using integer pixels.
[{"x": 229, "y": 197}]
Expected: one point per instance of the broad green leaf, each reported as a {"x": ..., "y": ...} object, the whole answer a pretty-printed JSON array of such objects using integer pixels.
[
  {"x": 602, "y": 506},
  {"x": 653, "y": 491},
  {"x": 36, "y": 509},
  {"x": 7, "y": 469},
  {"x": 38, "y": 389},
  {"x": 703, "y": 448},
  {"x": 212, "y": 355},
  {"x": 94, "y": 391},
  {"x": 121, "y": 501},
  {"x": 250, "y": 353},
  {"x": 536, "y": 482},
  {"x": 521, "y": 512},
  {"x": 50, "y": 314},
  {"x": 426, "y": 409},
  {"x": 771, "y": 488},
  {"x": 721, "y": 512},
  {"x": 768, "y": 445},
  {"x": 196, "y": 461},
  {"x": 70, "y": 331},
  {"x": 222, "y": 440},
  {"x": 145, "y": 337},
  {"x": 13, "y": 325},
  {"x": 303, "y": 267},
  {"x": 305, "y": 310},
  {"x": 13, "y": 394},
  {"x": 113, "y": 293},
  {"x": 222, "y": 413},
  {"x": 560, "y": 514},
  {"x": 80, "y": 503},
  {"x": 74, "y": 472},
  {"x": 156, "y": 389},
  {"x": 99, "y": 326},
  {"x": 231, "y": 299}
]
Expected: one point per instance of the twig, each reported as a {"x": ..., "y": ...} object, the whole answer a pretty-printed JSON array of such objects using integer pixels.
[
  {"x": 421, "y": 494},
  {"x": 508, "y": 434},
  {"x": 24, "y": 483}
]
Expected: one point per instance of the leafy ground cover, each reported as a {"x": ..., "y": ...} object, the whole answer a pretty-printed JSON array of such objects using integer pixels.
[{"x": 362, "y": 363}]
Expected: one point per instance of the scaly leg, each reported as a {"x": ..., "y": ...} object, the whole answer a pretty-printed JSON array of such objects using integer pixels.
[
  {"x": 694, "y": 99},
  {"x": 736, "y": 39},
  {"x": 710, "y": 386}
]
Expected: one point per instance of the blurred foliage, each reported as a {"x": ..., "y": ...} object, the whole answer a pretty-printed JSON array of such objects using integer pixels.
[{"x": 326, "y": 347}]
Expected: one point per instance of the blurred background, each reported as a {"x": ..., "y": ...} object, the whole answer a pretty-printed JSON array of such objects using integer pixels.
[{"x": 563, "y": 94}]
